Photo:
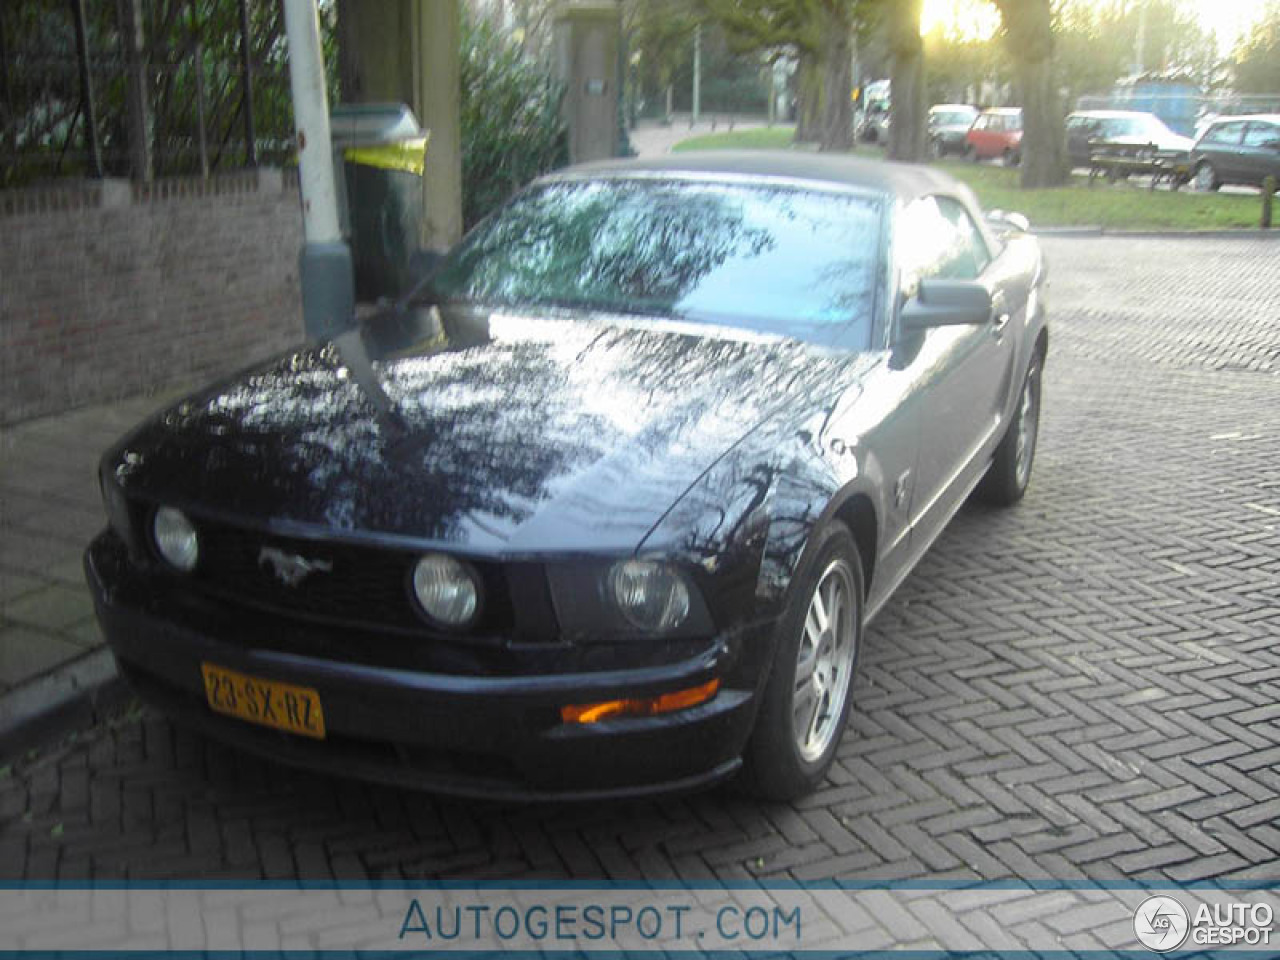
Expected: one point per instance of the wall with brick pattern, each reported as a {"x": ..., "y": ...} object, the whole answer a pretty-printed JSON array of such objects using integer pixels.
[{"x": 109, "y": 289}]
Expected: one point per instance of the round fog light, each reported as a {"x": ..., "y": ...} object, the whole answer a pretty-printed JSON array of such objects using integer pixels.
[
  {"x": 176, "y": 539},
  {"x": 445, "y": 590},
  {"x": 652, "y": 596}
]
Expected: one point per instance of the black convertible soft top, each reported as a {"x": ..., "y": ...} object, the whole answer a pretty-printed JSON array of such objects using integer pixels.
[{"x": 905, "y": 181}]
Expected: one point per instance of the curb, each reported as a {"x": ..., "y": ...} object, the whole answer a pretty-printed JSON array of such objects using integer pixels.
[
  {"x": 1244, "y": 233},
  {"x": 72, "y": 695}
]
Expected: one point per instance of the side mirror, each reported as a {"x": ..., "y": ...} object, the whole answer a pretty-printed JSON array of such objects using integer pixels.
[
  {"x": 946, "y": 303},
  {"x": 1008, "y": 220}
]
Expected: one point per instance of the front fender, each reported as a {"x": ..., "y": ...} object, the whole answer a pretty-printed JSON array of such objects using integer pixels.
[{"x": 822, "y": 484}]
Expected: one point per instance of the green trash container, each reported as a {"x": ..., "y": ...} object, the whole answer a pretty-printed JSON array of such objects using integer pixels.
[{"x": 381, "y": 152}]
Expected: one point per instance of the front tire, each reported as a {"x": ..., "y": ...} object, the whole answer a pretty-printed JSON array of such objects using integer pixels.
[
  {"x": 1206, "y": 178},
  {"x": 1010, "y": 472},
  {"x": 810, "y": 688}
]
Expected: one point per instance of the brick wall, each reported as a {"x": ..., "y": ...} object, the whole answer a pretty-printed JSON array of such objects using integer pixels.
[{"x": 110, "y": 289}]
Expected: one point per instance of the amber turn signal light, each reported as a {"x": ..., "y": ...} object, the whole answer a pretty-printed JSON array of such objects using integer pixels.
[{"x": 640, "y": 707}]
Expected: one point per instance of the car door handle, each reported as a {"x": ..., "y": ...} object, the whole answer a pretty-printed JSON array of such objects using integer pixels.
[{"x": 998, "y": 324}]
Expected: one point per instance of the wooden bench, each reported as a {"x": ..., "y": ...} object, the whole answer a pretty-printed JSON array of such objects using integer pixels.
[{"x": 1117, "y": 161}]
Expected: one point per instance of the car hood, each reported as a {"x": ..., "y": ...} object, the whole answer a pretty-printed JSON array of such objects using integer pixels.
[{"x": 546, "y": 434}]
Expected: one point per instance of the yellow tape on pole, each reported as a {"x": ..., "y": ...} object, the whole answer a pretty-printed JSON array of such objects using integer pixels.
[{"x": 408, "y": 156}]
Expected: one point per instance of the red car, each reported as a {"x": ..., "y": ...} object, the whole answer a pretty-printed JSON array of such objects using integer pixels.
[{"x": 996, "y": 133}]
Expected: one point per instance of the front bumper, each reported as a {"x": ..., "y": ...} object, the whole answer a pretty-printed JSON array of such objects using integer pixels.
[{"x": 460, "y": 733}]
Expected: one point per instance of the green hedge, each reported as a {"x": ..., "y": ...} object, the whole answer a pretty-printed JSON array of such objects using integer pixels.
[{"x": 511, "y": 125}]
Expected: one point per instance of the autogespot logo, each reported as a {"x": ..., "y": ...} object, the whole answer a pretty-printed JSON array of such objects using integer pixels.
[{"x": 1161, "y": 923}]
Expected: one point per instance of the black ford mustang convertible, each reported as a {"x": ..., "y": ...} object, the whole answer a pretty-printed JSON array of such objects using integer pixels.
[{"x": 606, "y": 507}]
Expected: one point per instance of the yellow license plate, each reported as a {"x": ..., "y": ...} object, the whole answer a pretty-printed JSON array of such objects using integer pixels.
[{"x": 272, "y": 704}]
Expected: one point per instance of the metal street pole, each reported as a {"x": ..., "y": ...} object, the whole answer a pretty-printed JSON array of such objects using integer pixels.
[
  {"x": 697, "y": 73},
  {"x": 246, "y": 67},
  {"x": 87, "y": 111},
  {"x": 1140, "y": 45},
  {"x": 328, "y": 285}
]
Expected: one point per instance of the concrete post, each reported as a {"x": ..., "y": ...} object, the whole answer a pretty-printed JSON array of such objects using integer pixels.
[
  {"x": 436, "y": 102},
  {"x": 587, "y": 51}
]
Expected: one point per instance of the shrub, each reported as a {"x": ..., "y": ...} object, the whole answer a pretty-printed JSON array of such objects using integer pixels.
[{"x": 512, "y": 130}]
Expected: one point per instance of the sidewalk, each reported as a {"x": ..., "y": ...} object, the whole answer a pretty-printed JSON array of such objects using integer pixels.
[
  {"x": 49, "y": 510},
  {"x": 651, "y": 138}
]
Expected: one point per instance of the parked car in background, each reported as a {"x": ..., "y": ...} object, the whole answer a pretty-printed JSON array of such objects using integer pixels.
[
  {"x": 1121, "y": 131},
  {"x": 615, "y": 522},
  {"x": 948, "y": 125},
  {"x": 996, "y": 134},
  {"x": 873, "y": 124},
  {"x": 1243, "y": 149}
]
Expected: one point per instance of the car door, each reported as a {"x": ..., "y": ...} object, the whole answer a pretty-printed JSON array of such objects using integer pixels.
[
  {"x": 978, "y": 133},
  {"x": 1221, "y": 147},
  {"x": 965, "y": 369},
  {"x": 1260, "y": 151}
]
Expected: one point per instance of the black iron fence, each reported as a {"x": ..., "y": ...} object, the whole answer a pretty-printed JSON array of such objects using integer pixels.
[{"x": 143, "y": 88}]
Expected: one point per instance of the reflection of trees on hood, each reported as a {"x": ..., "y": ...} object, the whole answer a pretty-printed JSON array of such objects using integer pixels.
[
  {"x": 643, "y": 244},
  {"x": 613, "y": 418},
  {"x": 712, "y": 372},
  {"x": 298, "y": 440}
]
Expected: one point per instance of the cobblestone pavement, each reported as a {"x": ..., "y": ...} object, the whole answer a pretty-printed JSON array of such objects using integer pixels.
[
  {"x": 49, "y": 508},
  {"x": 1086, "y": 685}
]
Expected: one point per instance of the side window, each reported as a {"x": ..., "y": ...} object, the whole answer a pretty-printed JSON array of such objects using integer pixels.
[
  {"x": 1262, "y": 135},
  {"x": 969, "y": 255},
  {"x": 1226, "y": 134},
  {"x": 936, "y": 237}
]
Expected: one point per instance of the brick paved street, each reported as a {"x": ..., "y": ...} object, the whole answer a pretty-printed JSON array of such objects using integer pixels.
[{"x": 1088, "y": 685}]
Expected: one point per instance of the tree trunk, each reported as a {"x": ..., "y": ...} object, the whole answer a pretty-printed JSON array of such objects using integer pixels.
[
  {"x": 808, "y": 100},
  {"x": 837, "y": 84},
  {"x": 908, "y": 139},
  {"x": 1029, "y": 31}
]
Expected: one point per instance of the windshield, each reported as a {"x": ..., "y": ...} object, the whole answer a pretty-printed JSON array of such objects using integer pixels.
[
  {"x": 762, "y": 257},
  {"x": 953, "y": 119}
]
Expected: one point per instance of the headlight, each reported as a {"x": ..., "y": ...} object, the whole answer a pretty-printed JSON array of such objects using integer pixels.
[
  {"x": 445, "y": 590},
  {"x": 176, "y": 539},
  {"x": 652, "y": 596}
]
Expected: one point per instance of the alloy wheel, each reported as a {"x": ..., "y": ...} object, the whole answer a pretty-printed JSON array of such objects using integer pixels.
[
  {"x": 1028, "y": 426},
  {"x": 824, "y": 661}
]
